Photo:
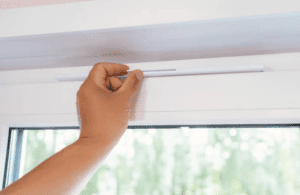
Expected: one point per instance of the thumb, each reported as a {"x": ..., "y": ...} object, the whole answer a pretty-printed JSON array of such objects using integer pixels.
[{"x": 132, "y": 82}]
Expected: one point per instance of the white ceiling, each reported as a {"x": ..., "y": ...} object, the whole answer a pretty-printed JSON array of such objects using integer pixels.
[
  {"x": 241, "y": 36},
  {"x": 8, "y": 4}
]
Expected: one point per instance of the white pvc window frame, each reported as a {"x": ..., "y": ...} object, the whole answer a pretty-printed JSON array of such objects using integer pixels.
[{"x": 157, "y": 106}]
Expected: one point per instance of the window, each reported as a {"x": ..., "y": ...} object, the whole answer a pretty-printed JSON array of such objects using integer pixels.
[{"x": 189, "y": 159}]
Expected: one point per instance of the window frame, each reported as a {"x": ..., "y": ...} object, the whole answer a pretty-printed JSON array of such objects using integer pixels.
[
  {"x": 13, "y": 158},
  {"x": 178, "y": 100}
]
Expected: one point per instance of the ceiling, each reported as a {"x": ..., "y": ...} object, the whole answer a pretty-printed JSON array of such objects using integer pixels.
[
  {"x": 9, "y": 4},
  {"x": 256, "y": 35}
]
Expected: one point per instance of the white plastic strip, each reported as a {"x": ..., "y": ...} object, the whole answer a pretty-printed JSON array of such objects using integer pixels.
[{"x": 177, "y": 72}]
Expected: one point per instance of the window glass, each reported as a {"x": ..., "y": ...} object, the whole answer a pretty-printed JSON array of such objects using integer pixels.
[{"x": 185, "y": 160}]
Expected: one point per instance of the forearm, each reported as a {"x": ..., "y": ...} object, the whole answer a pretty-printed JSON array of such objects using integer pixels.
[{"x": 66, "y": 172}]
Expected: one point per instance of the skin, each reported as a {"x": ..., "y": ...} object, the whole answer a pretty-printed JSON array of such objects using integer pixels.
[{"x": 103, "y": 117}]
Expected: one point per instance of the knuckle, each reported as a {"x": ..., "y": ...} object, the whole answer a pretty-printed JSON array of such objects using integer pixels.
[
  {"x": 82, "y": 90},
  {"x": 98, "y": 64}
]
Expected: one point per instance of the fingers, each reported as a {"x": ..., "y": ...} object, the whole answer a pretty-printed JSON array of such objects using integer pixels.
[
  {"x": 131, "y": 84},
  {"x": 114, "y": 82},
  {"x": 101, "y": 71}
]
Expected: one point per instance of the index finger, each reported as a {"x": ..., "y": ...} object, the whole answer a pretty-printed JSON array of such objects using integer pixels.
[{"x": 101, "y": 71}]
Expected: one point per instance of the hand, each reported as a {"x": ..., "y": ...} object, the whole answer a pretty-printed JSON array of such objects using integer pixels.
[{"x": 103, "y": 114}]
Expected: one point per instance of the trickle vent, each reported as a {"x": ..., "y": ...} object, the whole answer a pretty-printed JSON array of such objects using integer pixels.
[{"x": 176, "y": 72}]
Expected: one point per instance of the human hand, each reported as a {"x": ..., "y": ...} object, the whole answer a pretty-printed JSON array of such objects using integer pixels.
[{"x": 103, "y": 114}]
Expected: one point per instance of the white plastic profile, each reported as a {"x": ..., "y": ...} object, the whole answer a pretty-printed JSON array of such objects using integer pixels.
[{"x": 176, "y": 72}]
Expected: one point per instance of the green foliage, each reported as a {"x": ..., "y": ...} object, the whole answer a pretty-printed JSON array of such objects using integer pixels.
[{"x": 166, "y": 161}]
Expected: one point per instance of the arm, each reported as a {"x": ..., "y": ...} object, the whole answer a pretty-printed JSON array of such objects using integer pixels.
[
  {"x": 103, "y": 117},
  {"x": 66, "y": 172}
]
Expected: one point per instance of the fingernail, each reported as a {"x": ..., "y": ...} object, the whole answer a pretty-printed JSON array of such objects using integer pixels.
[{"x": 139, "y": 74}]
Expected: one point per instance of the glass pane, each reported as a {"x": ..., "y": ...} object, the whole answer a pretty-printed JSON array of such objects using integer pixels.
[{"x": 223, "y": 161}]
